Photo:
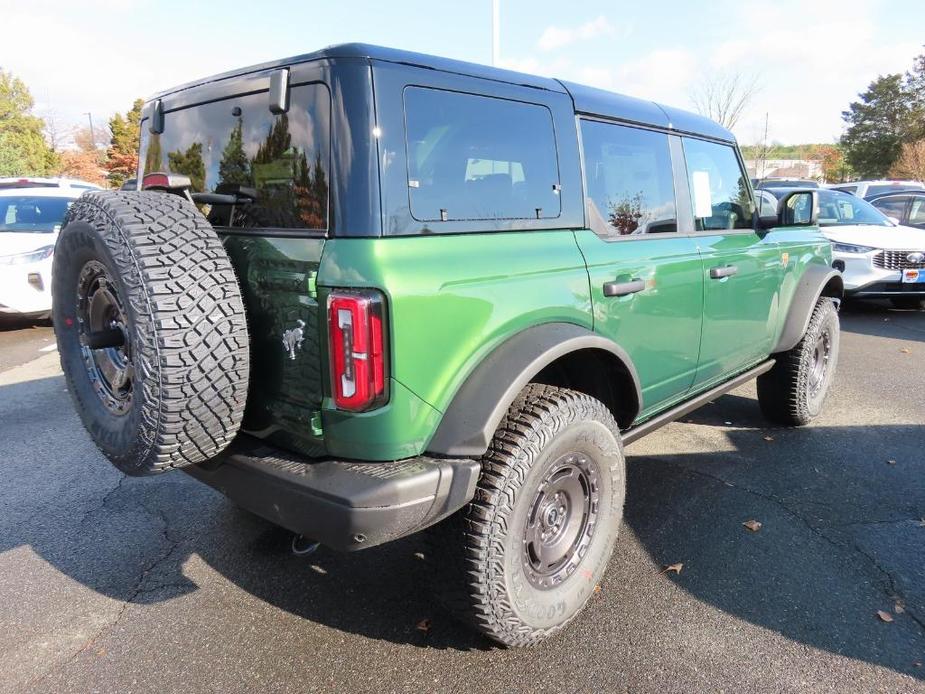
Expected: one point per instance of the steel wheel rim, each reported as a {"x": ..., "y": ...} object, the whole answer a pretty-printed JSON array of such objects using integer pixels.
[
  {"x": 99, "y": 308},
  {"x": 561, "y": 520},
  {"x": 822, "y": 351}
]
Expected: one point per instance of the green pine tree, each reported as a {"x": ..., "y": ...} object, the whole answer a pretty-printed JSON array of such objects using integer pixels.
[
  {"x": 234, "y": 166},
  {"x": 190, "y": 163},
  {"x": 877, "y": 126},
  {"x": 23, "y": 149}
]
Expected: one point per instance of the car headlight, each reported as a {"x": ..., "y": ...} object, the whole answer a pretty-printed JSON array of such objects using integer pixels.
[
  {"x": 851, "y": 248},
  {"x": 30, "y": 257}
]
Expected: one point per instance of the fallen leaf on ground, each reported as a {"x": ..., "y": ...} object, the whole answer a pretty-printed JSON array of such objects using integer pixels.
[
  {"x": 906, "y": 350},
  {"x": 884, "y": 616},
  {"x": 768, "y": 438},
  {"x": 676, "y": 568},
  {"x": 899, "y": 608},
  {"x": 728, "y": 424},
  {"x": 752, "y": 525},
  {"x": 891, "y": 462},
  {"x": 917, "y": 663},
  {"x": 423, "y": 625},
  {"x": 597, "y": 588}
]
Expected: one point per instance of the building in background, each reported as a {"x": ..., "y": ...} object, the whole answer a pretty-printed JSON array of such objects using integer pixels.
[{"x": 785, "y": 168}]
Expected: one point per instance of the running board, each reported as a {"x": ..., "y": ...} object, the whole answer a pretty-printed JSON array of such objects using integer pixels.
[{"x": 637, "y": 432}]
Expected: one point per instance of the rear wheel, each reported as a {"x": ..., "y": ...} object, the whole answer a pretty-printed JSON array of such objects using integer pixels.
[
  {"x": 793, "y": 391},
  {"x": 151, "y": 330},
  {"x": 525, "y": 556},
  {"x": 910, "y": 303}
]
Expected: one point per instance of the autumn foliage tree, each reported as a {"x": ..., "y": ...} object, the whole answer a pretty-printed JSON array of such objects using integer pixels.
[{"x": 122, "y": 155}]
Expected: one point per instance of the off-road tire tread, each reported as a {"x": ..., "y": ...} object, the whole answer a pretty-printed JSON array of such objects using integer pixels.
[
  {"x": 782, "y": 391},
  {"x": 190, "y": 343},
  {"x": 465, "y": 574}
]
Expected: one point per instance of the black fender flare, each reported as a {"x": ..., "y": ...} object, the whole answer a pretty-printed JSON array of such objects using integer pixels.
[
  {"x": 481, "y": 402},
  {"x": 816, "y": 281}
]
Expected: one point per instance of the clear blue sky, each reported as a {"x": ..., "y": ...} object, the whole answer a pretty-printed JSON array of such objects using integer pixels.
[{"x": 811, "y": 57}]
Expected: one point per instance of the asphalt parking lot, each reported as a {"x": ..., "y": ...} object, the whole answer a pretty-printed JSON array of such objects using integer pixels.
[{"x": 114, "y": 584}]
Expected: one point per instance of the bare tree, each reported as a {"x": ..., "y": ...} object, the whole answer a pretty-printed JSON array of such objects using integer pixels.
[
  {"x": 724, "y": 96},
  {"x": 911, "y": 162}
]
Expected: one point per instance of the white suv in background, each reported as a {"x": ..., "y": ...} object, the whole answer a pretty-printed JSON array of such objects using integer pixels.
[
  {"x": 31, "y": 212},
  {"x": 879, "y": 259},
  {"x": 865, "y": 189}
]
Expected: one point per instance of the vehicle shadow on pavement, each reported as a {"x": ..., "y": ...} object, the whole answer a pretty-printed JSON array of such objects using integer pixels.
[
  {"x": 15, "y": 322},
  {"x": 880, "y": 319},
  {"x": 840, "y": 536},
  {"x": 130, "y": 538},
  {"x": 841, "y": 533}
]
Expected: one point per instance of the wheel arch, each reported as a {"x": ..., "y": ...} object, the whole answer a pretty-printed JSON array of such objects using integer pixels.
[
  {"x": 816, "y": 282},
  {"x": 560, "y": 354}
]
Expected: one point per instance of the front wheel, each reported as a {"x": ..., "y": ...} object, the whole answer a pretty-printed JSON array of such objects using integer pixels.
[
  {"x": 525, "y": 556},
  {"x": 793, "y": 391}
]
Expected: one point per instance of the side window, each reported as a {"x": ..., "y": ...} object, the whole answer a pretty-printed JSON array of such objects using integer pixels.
[
  {"x": 893, "y": 207},
  {"x": 719, "y": 187},
  {"x": 629, "y": 179},
  {"x": 479, "y": 158},
  {"x": 917, "y": 214},
  {"x": 767, "y": 203}
]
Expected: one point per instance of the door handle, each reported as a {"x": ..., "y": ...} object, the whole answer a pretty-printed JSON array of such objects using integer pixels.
[
  {"x": 717, "y": 273},
  {"x": 623, "y": 288}
]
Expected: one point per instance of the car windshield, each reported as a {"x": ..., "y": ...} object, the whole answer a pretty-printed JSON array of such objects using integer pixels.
[
  {"x": 842, "y": 209},
  {"x": 32, "y": 213}
]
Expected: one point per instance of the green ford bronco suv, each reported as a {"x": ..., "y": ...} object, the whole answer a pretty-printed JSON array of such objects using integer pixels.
[{"x": 364, "y": 292}]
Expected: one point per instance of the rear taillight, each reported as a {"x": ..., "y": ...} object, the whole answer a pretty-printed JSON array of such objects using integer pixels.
[{"x": 357, "y": 349}]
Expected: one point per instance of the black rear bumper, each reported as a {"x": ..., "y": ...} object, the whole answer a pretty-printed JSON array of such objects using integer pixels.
[{"x": 344, "y": 505}]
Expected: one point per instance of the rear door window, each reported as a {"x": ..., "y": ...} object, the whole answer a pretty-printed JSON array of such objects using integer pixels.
[
  {"x": 629, "y": 180},
  {"x": 719, "y": 186},
  {"x": 474, "y": 157},
  {"x": 279, "y": 164}
]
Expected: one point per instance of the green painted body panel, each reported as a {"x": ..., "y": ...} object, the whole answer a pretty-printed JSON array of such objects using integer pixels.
[
  {"x": 660, "y": 326},
  {"x": 277, "y": 276},
  {"x": 452, "y": 299},
  {"x": 741, "y": 313}
]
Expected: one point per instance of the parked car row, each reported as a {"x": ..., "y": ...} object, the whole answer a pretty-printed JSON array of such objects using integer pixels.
[
  {"x": 31, "y": 213},
  {"x": 878, "y": 256}
]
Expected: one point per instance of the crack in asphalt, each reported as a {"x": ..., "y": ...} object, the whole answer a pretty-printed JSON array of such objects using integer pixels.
[
  {"x": 890, "y": 589},
  {"x": 137, "y": 590}
]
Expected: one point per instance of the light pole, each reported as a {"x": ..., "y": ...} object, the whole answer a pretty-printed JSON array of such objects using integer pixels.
[
  {"x": 495, "y": 32},
  {"x": 92, "y": 134}
]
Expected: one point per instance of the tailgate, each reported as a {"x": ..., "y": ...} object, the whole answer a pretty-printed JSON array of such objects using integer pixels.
[{"x": 277, "y": 277}]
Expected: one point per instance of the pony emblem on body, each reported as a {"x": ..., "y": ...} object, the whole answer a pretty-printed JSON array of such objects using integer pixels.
[{"x": 292, "y": 339}]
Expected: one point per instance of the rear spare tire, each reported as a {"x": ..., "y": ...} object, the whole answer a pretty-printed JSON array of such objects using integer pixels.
[{"x": 151, "y": 329}]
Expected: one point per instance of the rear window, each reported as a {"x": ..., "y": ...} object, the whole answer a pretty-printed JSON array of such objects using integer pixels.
[
  {"x": 479, "y": 158},
  {"x": 277, "y": 165},
  {"x": 891, "y": 188}
]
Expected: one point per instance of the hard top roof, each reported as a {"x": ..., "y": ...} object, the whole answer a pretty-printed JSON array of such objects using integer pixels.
[{"x": 587, "y": 100}]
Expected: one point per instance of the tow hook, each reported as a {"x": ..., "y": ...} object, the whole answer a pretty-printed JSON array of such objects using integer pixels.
[{"x": 303, "y": 546}]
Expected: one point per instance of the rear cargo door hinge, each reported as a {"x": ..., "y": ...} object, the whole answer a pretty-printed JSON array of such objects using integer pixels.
[
  {"x": 317, "y": 429},
  {"x": 311, "y": 282}
]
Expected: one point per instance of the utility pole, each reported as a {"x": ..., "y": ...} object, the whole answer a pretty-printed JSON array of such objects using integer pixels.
[
  {"x": 92, "y": 134},
  {"x": 495, "y": 32}
]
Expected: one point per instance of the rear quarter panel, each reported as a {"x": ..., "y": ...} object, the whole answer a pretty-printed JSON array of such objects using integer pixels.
[{"x": 452, "y": 299}]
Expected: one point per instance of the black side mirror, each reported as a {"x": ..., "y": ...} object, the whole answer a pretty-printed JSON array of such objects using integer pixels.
[{"x": 797, "y": 209}]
